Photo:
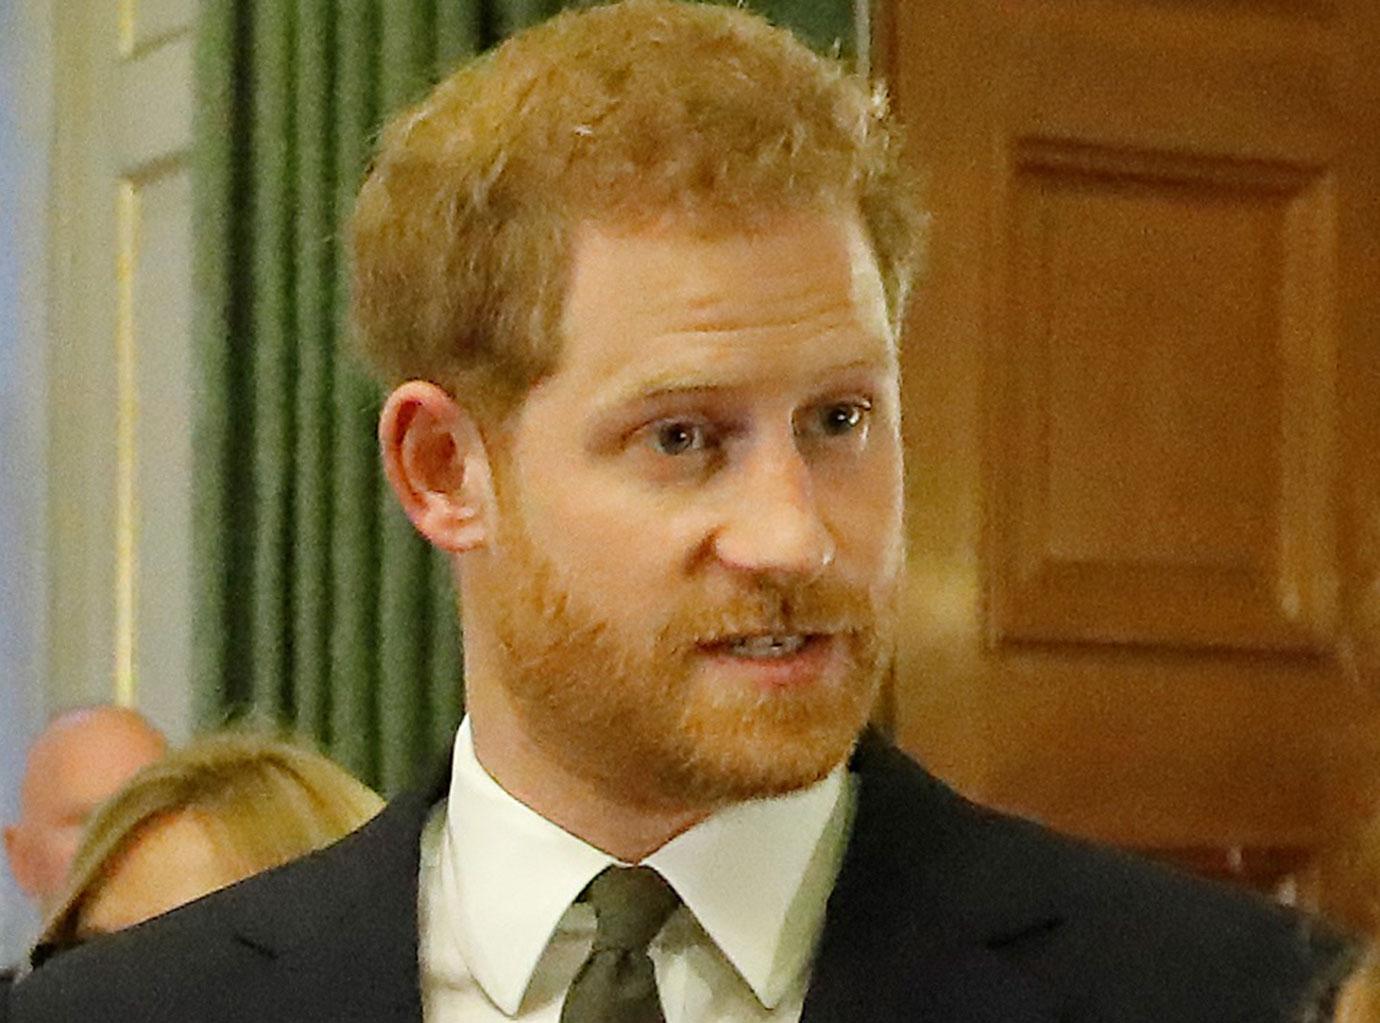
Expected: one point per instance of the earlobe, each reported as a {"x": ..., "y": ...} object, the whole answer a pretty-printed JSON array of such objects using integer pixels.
[{"x": 436, "y": 463}]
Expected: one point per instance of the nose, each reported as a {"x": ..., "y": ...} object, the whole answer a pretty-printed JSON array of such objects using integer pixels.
[{"x": 772, "y": 524}]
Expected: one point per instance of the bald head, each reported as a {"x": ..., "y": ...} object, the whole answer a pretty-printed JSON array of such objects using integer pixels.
[{"x": 81, "y": 759}]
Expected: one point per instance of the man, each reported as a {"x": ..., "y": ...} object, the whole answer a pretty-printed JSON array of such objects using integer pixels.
[
  {"x": 83, "y": 757},
  {"x": 635, "y": 282}
]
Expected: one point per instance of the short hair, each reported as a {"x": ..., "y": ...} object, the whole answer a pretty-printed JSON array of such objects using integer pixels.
[
  {"x": 626, "y": 113},
  {"x": 262, "y": 800}
]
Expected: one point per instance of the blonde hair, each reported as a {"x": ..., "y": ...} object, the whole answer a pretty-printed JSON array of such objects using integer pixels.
[
  {"x": 625, "y": 113},
  {"x": 263, "y": 802}
]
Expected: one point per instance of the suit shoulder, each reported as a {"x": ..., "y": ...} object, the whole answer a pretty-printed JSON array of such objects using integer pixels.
[
  {"x": 290, "y": 936},
  {"x": 162, "y": 970},
  {"x": 1012, "y": 858},
  {"x": 1100, "y": 884},
  {"x": 1132, "y": 932},
  {"x": 1113, "y": 935}
]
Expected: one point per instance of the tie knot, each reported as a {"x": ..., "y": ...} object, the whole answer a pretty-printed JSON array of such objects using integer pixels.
[{"x": 630, "y": 905}]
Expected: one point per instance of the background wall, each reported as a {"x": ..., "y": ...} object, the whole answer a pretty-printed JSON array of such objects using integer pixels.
[{"x": 25, "y": 120}]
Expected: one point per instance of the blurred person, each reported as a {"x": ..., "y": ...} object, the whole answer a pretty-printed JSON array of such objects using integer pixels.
[
  {"x": 1359, "y": 998},
  {"x": 635, "y": 282},
  {"x": 1341, "y": 883},
  {"x": 220, "y": 809},
  {"x": 75, "y": 764}
]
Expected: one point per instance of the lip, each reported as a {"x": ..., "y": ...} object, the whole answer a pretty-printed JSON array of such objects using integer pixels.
[{"x": 801, "y": 668}]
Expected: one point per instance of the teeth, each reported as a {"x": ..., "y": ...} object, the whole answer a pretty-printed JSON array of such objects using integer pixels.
[{"x": 767, "y": 646}]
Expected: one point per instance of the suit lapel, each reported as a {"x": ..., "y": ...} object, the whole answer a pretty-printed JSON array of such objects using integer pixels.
[{"x": 922, "y": 910}]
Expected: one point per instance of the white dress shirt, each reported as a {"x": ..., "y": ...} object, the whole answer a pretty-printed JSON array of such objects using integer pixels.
[{"x": 502, "y": 937}]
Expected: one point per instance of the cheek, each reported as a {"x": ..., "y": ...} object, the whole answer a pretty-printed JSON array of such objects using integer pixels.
[
  {"x": 865, "y": 512},
  {"x": 55, "y": 850},
  {"x": 614, "y": 536},
  {"x": 618, "y": 575},
  {"x": 61, "y": 845}
]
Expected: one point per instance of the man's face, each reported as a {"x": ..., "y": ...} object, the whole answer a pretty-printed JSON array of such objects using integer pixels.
[
  {"x": 699, "y": 537},
  {"x": 72, "y": 769}
]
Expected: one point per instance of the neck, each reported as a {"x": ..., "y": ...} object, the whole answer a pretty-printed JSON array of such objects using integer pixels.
[{"x": 629, "y": 832}]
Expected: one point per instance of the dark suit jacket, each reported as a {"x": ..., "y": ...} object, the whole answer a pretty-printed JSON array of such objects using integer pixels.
[
  {"x": 943, "y": 912},
  {"x": 7, "y": 976}
]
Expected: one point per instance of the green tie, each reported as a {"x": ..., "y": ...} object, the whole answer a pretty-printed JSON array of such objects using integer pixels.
[{"x": 617, "y": 983}]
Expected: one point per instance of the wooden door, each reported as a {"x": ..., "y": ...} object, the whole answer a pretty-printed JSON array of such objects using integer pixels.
[{"x": 1142, "y": 375}]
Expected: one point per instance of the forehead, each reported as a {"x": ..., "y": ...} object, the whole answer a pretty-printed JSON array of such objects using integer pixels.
[
  {"x": 75, "y": 768},
  {"x": 139, "y": 883},
  {"x": 661, "y": 302}
]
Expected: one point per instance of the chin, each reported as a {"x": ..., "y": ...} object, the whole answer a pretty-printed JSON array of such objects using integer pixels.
[{"x": 763, "y": 755}]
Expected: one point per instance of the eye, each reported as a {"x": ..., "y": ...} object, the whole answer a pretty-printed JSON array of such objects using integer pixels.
[
  {"x": 837, "y": 419},
  {"x": 679, "y": 437},
  {"x": 840, "y": 418}
]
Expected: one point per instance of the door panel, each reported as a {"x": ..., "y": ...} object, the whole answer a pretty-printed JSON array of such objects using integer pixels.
[{"x": 1161, "y": 473}]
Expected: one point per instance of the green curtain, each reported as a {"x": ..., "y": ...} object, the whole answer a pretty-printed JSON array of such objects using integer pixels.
[{"x": 317, "y": 607}]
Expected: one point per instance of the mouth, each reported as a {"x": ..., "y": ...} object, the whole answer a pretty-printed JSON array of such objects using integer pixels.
[
  {"x": 765, "y": 647},
  {"x": 774, "y": 659}
]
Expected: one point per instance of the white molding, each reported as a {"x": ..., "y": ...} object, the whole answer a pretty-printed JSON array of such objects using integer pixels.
[
  {"x": 26, "y": 125},
  {"x": 81, "y": 407}
]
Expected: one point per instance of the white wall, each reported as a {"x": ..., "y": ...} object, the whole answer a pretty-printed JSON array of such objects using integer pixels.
[{"x": 25, "y": 132}]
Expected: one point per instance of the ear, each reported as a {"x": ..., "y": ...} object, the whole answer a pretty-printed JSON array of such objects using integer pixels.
[
  {"x": 435, "y": 461},
  {"x": 21, "y": 863}
]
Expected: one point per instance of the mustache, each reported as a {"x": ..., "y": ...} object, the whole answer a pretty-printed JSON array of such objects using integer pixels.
[{"x": 818, "y": 607}]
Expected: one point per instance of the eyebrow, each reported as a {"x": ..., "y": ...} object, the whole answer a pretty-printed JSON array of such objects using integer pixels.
[{"x": 676, "y": 384}]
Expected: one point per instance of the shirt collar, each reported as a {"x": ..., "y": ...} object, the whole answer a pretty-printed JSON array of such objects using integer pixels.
[
  {"x": 756, "y": 875},
  {"x": 509, "y": 875}
]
